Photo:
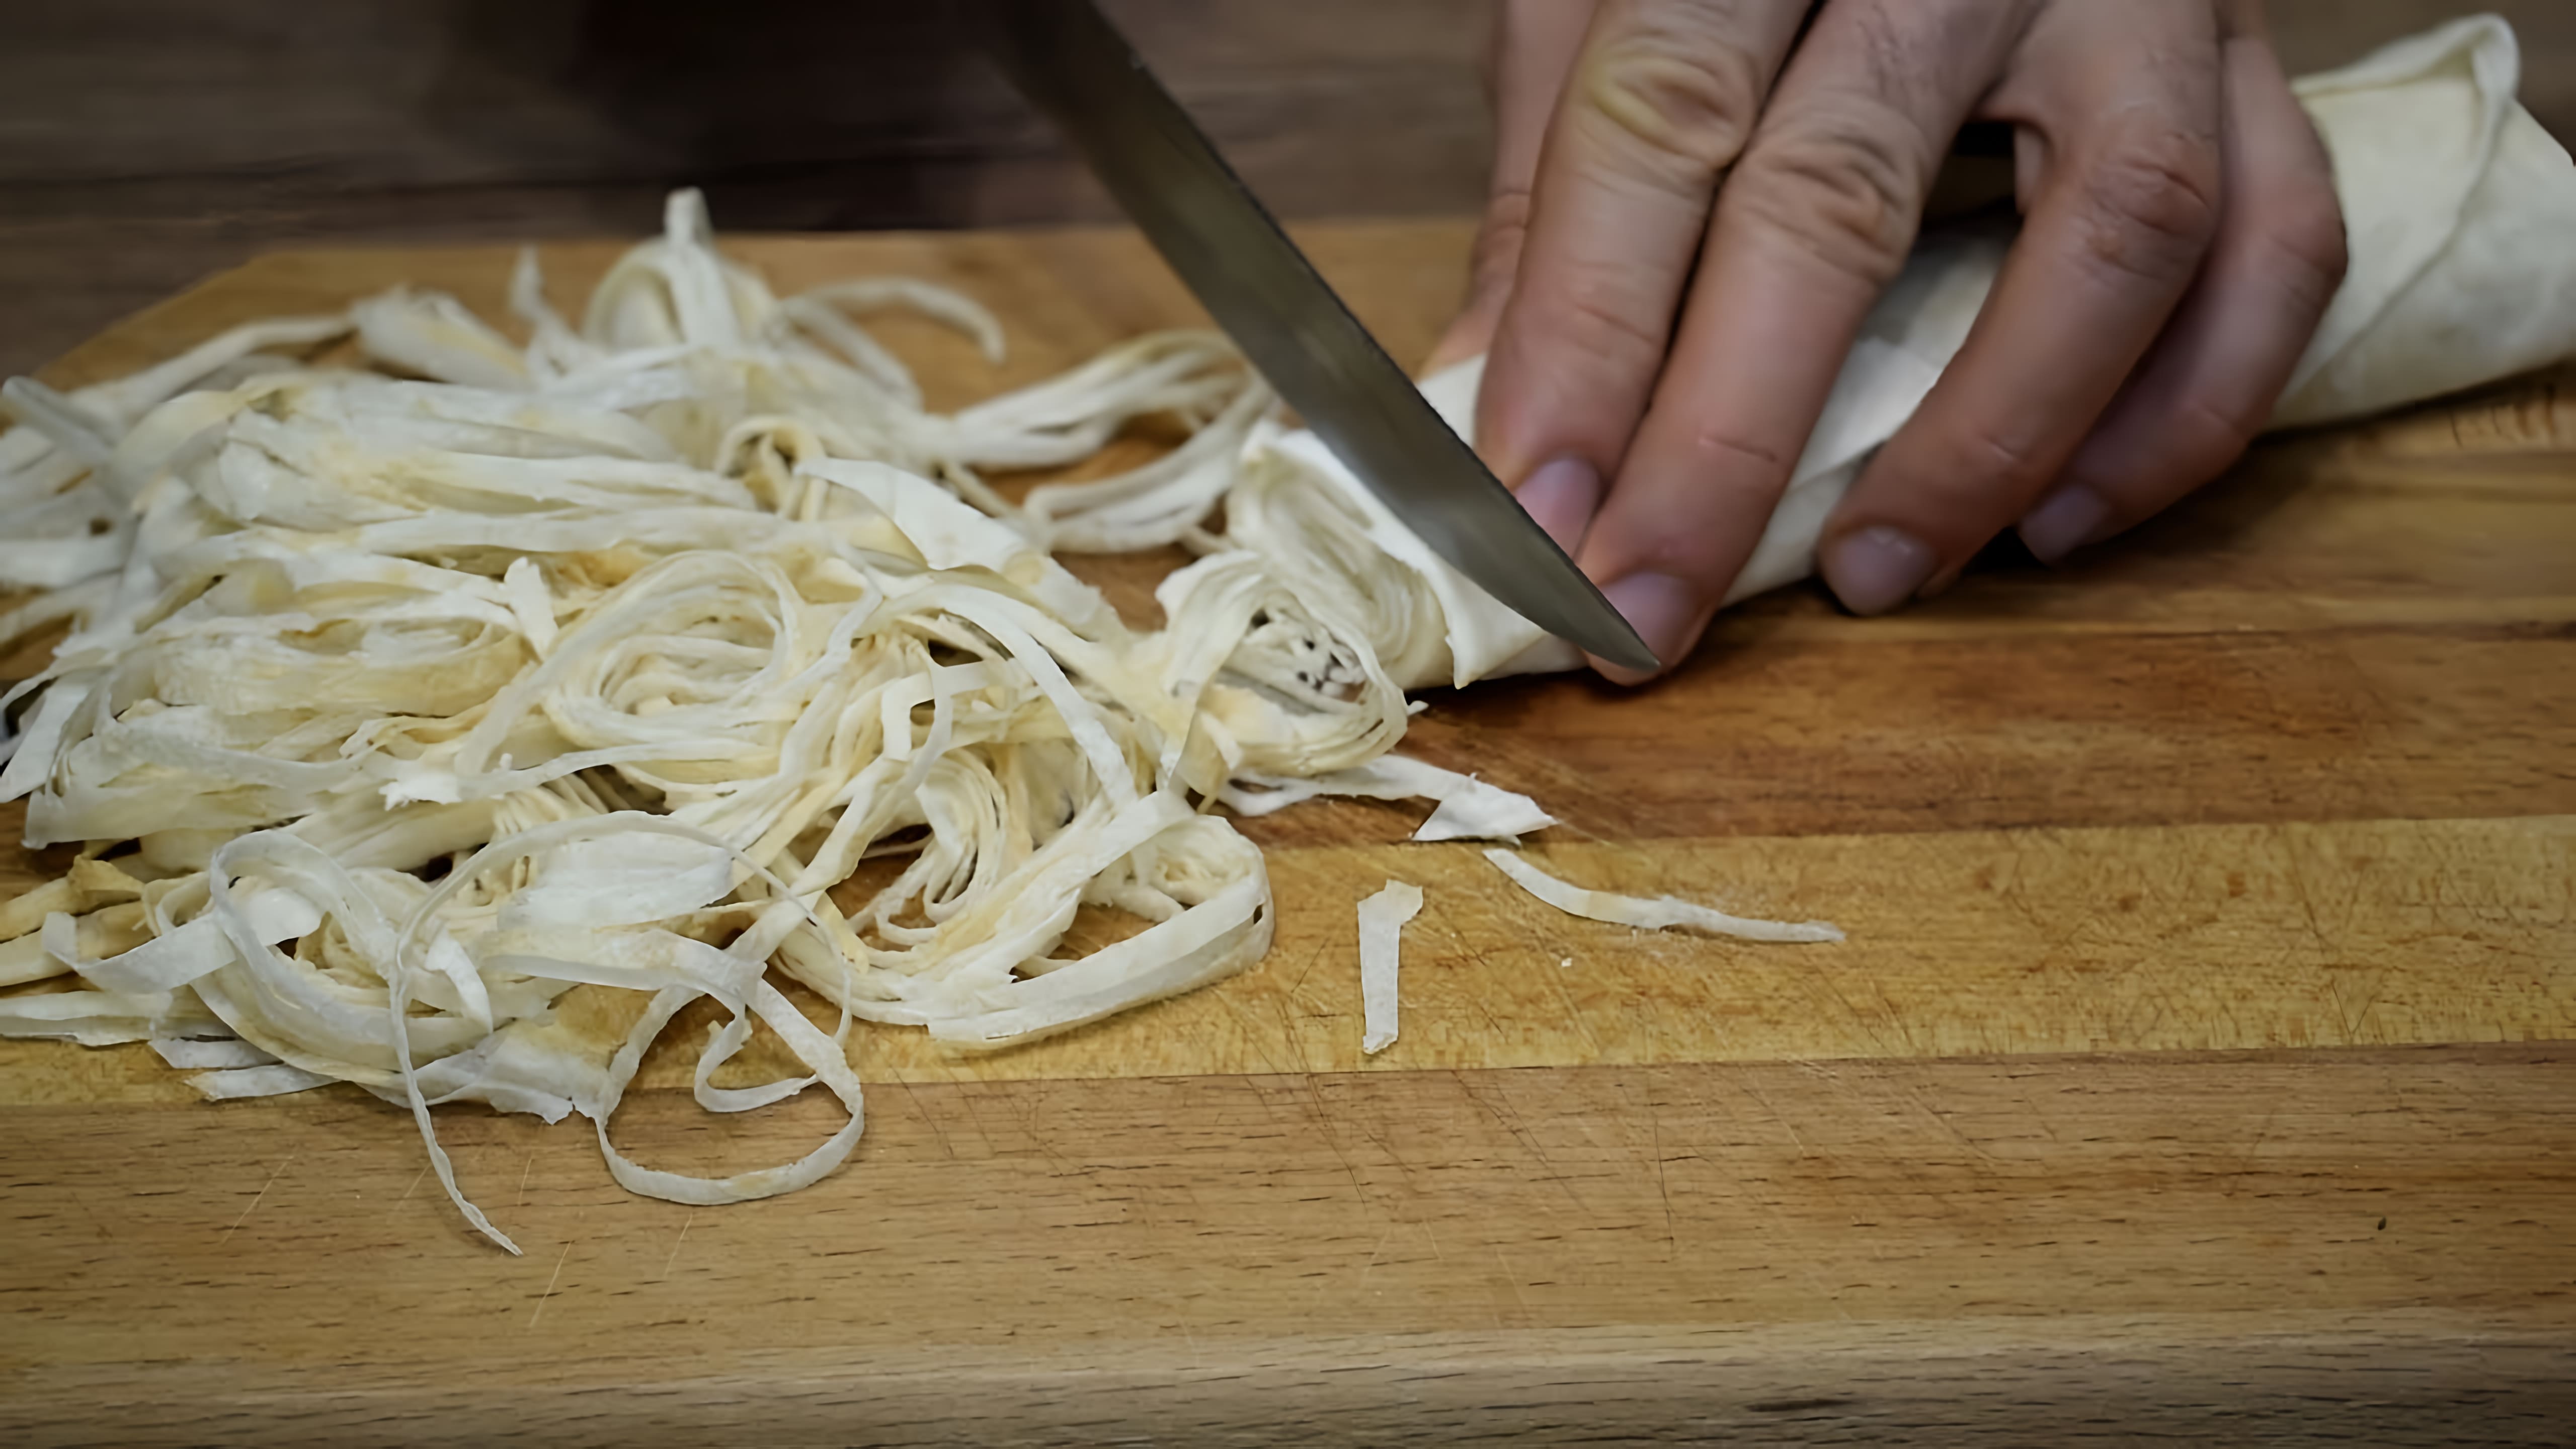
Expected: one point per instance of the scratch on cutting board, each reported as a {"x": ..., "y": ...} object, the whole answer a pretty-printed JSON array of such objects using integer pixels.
[
  {"x": 1511, "y": 1280},
  {"x": 97, "y": 1223},
  {"x": 1252, "y": 1032},
  {"x": 2254, "y": 1149},
  {"x": 1914, "y": 1095},
  {"x": 550, "y": 1284},
  {"x": 255, "y": 1201},
  {"x": 1324, "y": 1281},
  {"x": 928, "y": 1117},
  {"x": 1781, "y": 1118},
  {"x": 683, "y": 1240},
  {"x": 1299, "y": 983},
  {"x": 1374, "y": 1254},
  {"x": 1333, "y": 1139},
  {"x": 1512, "y": 1125},
  {"x": 1655, "y": 1126}
]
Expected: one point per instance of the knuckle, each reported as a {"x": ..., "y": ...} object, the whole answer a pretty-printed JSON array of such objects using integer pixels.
[
  {"x": 1847, "y": 195},
  {"x": 1677, "y": 106},
  {"x": 2148, "y": 458},
  {"x": 1736, "y": 459},
  {"x": 1603, "y": 319},
  {"x": 1994, "y": 465},
  {"x": 2195, "y": 439},
  {"x": 2150, "y": 201},
  {"x": 1499, "y": 240},
  {"x": 2214, "y": 433},
  {"x": 2310, "y": 238}
]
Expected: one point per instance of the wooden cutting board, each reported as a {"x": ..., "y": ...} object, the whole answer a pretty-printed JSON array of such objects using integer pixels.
[{"x": 2200, "y": 1063}]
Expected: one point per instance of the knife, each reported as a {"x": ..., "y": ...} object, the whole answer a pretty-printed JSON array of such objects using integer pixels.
[{"x": 1070, "y": 62}]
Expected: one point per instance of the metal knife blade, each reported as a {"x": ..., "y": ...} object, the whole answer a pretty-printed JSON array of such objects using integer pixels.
[{"x": 1067, "y": 58}]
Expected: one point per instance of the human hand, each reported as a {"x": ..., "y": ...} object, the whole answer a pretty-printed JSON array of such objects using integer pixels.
[{"x": 1695, "y": 207}]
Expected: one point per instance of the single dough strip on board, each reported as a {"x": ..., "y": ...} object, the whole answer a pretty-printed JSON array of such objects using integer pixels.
[
  {"x": 1661, "y": 913},
  {"x": 1382, "y": 918}
]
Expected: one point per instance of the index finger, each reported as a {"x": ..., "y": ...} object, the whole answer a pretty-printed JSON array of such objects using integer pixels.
[
  {"x": 1535, "y": 43},
  {"x": 1659, "y": 104}
]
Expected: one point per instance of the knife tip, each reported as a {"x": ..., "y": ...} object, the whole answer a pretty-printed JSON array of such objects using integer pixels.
[
  {"x": 1618, "y": 643},
  {"x": 1639, "y": 659}
]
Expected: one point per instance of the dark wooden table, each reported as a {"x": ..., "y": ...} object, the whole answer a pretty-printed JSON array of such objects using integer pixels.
[{"x": 145, "y": 144}]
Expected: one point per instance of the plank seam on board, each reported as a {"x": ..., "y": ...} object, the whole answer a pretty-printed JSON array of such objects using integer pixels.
[{"x": 2545, "y": 1052}]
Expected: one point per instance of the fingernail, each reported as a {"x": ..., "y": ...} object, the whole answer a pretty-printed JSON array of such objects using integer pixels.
[
  {"x": 1662, "y": 609},
  {"x": 1878, "y": 568},
  {"x": 2065, "y": 521},
  {"x": 1561, "y": 496}
]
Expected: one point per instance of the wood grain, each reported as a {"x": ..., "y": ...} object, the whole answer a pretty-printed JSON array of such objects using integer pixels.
[
  {"x": 2315, "y": 1248},
  {"x": 2210, "y": 905},
  {"x": 1994, "y": 943}
]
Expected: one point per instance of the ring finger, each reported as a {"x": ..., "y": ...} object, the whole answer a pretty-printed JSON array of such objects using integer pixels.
[
  {"x": 2214, "y": 377},
  {"x": 2119, "y": 108}
]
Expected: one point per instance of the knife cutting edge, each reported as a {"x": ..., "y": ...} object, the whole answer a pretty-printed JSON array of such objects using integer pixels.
[{"x": 1070, "y": 62}]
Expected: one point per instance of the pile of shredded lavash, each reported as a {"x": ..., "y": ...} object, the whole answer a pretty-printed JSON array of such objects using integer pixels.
[{"x": 393, "y": 710}]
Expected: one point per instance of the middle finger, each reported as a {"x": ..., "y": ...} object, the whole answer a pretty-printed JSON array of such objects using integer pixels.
[{"x": 1814, "y": 223}]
